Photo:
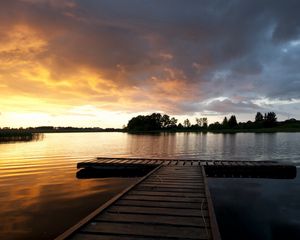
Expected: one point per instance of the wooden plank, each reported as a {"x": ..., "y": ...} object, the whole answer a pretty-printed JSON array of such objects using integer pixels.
[
  {"x": 194, "y": 172},
  {"x": 180, "y": 199},
  {"x": 180, "y": 175},
  {"x": 166, "y": 162},
  {"x": 226, "y": 163},
  {"x": 180, "y": 178},
  {"x": 189, "y": 205},
  {"x": 101, "y": 208},
  {"x": 160, "y": 161},
  {"x": 182, "y": 171},
  {"x": 198, "y": 180},
  {"x": 137, "y": 161},
  {"x": 170, "y": 203},
  {"x": 168, "y": 189},
  {"x": 183, "y": 183},
  {"x": 132, "y": 158},
  {"x": 127, "y": 161},
  {"x": 170, "y": 162},
  {"x": 176, "y": 181},
  {"x": 91, "y": 236},
  {"x": 147, "y": 161},
  {"x": 160, "y": 179},
  {"x": 186, "y": 173},
  {"x": 102, "y": 160},
  {"x": 112, "y": 161},
  {"x": 170, "y": 220},
  {"x": 148, "y": 230},
  {"x": 174, "y": 185},
  {"x": 165, "y": 194},
  {"x": 158, "y": 211},
  {"x": 212, "y": 217},
  {"x": 174, "y": 162},
  {"x": 152, "y": 162},
  {"x": 122, "y": 161}
]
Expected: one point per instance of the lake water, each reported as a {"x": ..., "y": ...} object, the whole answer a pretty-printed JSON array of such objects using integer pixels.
[{"x": 40, "y": 195}]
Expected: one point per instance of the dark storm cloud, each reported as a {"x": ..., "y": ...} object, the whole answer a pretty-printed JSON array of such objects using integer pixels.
[
  {"x": 228, "y": 106},
  {"x": 217, "y": 48}
]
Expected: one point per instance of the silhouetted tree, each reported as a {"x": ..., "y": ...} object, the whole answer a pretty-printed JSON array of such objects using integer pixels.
[
  {"x": 232, "y": 123},
  {"x": 204, "y": 122},
  {"x": 145, "y": 123},
  {"x": 225, "y": 123},
  {"x": 155, "y": 121},
  {"x": 173, "y": 122},
  {"x": 186, "y": 123},
  {"x": 270, "y": 119},
  {"x": 215, "y": 126},
  {"x": 259, "y": 117},
  {"x": 165, "y": 121},
  {"x": 199, "y": 122}
]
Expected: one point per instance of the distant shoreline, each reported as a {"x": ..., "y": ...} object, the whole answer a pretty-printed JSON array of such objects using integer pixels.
[
  {"x": 260, "y": 130},
  {"x": 26, "y": 134}
]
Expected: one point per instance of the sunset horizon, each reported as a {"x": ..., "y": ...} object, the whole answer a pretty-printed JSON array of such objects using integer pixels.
[
  {"x": 98, "y": 64},
  {"x": 149, "y": 119}
]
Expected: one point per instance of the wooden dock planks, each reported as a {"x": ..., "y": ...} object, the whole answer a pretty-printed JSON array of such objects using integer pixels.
[
  {"x": 170, "y": 203},
  {"x": 213, "y": 168}
]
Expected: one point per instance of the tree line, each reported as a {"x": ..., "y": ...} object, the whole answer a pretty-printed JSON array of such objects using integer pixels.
[
  {"x": 158, "y": 121},
  {"x": 266, "y": 120}
]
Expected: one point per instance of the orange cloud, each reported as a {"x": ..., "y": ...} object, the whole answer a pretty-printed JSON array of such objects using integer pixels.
[
  {"x": 54, "y": 58},
  {"x": 31, "y": 80}
]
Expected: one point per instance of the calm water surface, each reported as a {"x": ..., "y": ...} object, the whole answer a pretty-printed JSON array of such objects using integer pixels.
[{"x": 40, "y": 196}]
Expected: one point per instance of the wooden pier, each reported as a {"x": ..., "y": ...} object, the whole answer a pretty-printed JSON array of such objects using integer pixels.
[{"x": 172, "y": 201}]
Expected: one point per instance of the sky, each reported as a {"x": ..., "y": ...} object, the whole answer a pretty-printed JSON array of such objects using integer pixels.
[{"x": 98, "y": 63}]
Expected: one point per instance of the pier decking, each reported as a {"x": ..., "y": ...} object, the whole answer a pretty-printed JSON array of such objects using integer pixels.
[{"x": 171, "y": 202}]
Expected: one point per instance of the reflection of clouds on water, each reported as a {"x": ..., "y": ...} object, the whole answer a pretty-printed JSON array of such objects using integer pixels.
[
  {"x": 37, "y": 179},
  {"x": 39, "y": 191},
  {"x": 265, "y": 209}
]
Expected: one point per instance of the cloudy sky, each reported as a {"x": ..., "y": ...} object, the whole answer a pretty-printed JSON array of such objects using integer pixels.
[{"x": 100, "y": 62}]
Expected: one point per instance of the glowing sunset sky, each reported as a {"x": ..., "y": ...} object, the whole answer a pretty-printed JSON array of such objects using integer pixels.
[{"x": 98, "y": 63}]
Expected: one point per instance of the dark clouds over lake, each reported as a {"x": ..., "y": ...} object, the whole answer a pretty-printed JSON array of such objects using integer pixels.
[{"x": 213, "y": 57}]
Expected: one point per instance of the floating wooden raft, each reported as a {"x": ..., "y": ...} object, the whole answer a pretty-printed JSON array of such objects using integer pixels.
[
  {"x": 171, "y": 202},
  {"x": 126, "y": 167}
]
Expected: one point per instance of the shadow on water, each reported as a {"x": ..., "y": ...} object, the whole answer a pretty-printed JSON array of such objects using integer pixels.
[
  {"x": 265, "y": 209},
  {"x": 113, "y": 170}
]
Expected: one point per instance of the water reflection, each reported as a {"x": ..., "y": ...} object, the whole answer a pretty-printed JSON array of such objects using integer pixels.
[
  {"x": 22, "y": 137},
  {"x": 37, "y": 191},
  {"x": 261, "y": 209},
  {"x": 152, "y": 145},
  {"x": 38, "y": 184}
]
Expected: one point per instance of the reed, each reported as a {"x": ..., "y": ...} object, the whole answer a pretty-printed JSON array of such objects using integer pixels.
[{"x": 12, "y": 135}]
